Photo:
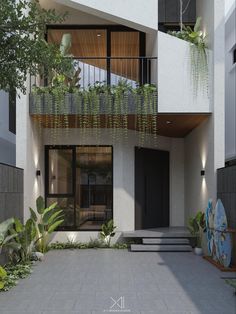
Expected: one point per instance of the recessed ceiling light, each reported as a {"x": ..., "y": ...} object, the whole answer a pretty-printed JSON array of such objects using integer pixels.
[{"x": 169, "y": 122}]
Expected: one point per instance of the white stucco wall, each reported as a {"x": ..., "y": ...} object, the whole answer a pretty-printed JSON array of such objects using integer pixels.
[
  {"x": 230, "y": 84},
  {"x": 30, "y": 156},
  {"x": 7, "y": 138},
  {"x": 76, "y": 17},
  {"x": 29, "y": 153},
  {"x": 139, "y": 14},
  {"x": 199, "y": 155},
  {"x": 175, "y": 90},
  {"x": 204, "y": 146}
]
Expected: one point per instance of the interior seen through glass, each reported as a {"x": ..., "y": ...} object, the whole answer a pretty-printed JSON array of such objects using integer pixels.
[
  {"x": 86, "y": 200},
  {"x": 89, "y": 48}
]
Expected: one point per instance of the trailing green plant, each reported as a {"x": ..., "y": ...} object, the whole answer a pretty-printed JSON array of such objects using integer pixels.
[
  {"x": 24, "y": 240},
  {"x": 89, "y": 103},
  {"x": 198, "y": 54},
  {"x": 46, "y": 220},
  {"x": 108, "y": 232},
  {"x": 196, "y": 226},
  {"x": 6, "y": 239}
]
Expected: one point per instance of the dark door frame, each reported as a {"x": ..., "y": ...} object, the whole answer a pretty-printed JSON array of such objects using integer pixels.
[{"x": 139, "y": 210}]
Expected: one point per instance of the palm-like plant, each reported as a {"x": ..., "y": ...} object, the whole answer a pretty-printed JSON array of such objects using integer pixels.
[
  {"x": 24, "y": 240},
  {"x": 7, "y": 239},
  {"x": 46, "y": 220}
]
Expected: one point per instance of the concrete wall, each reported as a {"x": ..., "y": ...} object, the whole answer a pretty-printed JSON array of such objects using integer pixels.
[
  {"x": 11, "y": 192},
  {"x": 138, "y": 14},
  {"x": 29, "y": 153},
  {"x": 199, "y": 155},
  {"x": 230, "y": 83},
  {"x": 74, "y": 16},
  {"x": 124, "y": 201},
  {"x": 204, "y": 146},
  {"x": 175, "y": 84},
  {"x": 7, "y": 139}
]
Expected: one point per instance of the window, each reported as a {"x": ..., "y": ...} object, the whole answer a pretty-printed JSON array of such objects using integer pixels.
[
  {"x": 79, "y": 179},
  {"x": 104, "y": 53},
  {"x": 12, "y": 111}
]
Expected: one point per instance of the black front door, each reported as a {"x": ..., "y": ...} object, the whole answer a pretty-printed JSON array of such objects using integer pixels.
[{"x": 151, "y": 188}]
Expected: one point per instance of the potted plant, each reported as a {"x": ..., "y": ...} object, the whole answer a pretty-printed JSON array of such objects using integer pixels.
[{"x": 196, "y": 226}]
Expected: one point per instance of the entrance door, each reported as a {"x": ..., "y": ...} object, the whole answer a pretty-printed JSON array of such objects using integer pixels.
[{"x": 151, "y": 188}]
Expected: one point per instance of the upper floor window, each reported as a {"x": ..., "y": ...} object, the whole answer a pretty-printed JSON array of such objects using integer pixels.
[{"x": 105, "y": 53}]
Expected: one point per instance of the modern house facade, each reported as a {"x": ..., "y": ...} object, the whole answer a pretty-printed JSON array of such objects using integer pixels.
[{"x": 92, "y": 174}]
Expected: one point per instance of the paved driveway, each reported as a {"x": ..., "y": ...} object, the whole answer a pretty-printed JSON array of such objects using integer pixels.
[{"x": 108, "y": 281}]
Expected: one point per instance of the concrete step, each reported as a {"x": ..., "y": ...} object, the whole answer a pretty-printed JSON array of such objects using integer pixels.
[
  {"x": 165, "y": 241},
  {"x": 160, "y": 248}
]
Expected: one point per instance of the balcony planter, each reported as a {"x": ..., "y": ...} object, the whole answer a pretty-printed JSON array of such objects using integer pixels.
[{"x": 89, "y": 107}]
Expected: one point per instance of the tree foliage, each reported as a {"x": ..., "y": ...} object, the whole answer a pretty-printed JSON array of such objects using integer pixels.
[{"x": 23, "y": 47}]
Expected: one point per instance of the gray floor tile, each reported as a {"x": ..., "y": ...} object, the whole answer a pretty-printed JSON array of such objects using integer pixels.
[{"x": 84, "y": 281}]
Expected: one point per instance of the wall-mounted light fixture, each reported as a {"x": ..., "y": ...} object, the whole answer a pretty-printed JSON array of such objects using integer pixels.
[
  {"x": 202, "y": 173},
  {"x": 38, "y": 173}
]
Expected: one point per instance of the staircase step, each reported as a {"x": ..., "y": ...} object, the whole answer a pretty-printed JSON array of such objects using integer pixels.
[
  {"x": 160, "y": 248},
  {"x": 165, "y": 241}
]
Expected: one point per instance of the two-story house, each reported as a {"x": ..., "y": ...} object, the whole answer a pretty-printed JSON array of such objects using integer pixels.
[{"x": 96, "y": 173}]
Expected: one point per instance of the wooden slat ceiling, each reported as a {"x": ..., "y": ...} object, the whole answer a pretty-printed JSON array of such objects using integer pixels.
[
  {"x": 170, "y": 125},
  {"x": 92, "y": 43}
]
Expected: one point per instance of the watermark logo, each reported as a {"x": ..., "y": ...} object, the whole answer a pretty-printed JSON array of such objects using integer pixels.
[{"x": 117, "y": 305}]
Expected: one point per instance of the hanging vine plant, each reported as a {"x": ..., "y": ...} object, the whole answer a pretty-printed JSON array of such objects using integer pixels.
[
  {"x": 198, "y": 55},
  {"x": 99, "y": 106}
]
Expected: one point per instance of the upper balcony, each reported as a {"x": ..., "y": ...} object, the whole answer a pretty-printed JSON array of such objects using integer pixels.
[
  {"x": 110, "y": 77},
  {"x": 113, "y": 78}
]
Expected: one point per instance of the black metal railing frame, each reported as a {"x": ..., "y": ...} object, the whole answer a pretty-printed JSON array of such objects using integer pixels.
[{"x": 146, "y": 66}]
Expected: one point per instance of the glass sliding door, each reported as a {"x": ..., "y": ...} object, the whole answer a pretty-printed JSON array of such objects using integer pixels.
[
  {"x": 126, "y": 45},
  {"x": 93, "y": 186},
  {"x": 59, "y": 182},
  {"x": 89, "y": 50},
  {"x": 80, "y": 180}
]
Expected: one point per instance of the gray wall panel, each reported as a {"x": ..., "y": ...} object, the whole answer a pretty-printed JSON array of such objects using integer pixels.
[{"x": 226, "y": 191}]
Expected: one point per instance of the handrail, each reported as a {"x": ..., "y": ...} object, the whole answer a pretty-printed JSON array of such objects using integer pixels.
[{"x": 122, "y": 58}]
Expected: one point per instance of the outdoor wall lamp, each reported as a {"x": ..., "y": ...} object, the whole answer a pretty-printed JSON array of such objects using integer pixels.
[
  {"x": 202, "y": 173},
  {"x": 38, "y": 173}
]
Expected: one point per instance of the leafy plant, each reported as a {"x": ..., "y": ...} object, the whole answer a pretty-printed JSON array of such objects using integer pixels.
[
  {"x": 23, "y": 48},
  {"x": 6, "y": 239},
  {"x": 196, "y": 226},
  {"x": 14, "y": 273},
  {"x": 24, "y": 240},
  {"x": 3, "y": 275},
  {"x": 46, "y": 220},
  {"x": 108, "y": 232},
  {"x": 89, "y": 103},
  {"x": 198, "y": 54}
]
